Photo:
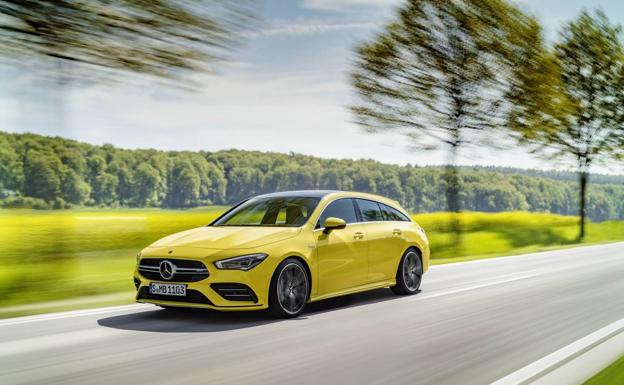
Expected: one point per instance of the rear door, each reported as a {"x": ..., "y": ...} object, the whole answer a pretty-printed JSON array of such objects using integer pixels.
[{"x": 384, "y": 240}]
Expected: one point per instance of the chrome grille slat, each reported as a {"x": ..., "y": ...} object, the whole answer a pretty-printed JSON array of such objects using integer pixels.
[
  {"x": 186, "y": 270},
  {"x": 190, "y": 269},
  {"x": 149, "y": 268}
]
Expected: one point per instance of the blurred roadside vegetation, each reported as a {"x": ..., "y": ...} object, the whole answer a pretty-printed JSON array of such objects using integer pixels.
[
  {"x": 70, "y": 254},
  {"x": 105, "y": 41},
  {"x": 455, "y": 74}
]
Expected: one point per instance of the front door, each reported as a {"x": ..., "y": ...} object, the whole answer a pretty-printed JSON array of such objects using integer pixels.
[{"x": 342, "y": 253}]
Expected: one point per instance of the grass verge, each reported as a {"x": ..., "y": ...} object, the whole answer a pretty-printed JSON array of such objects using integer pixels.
[{"x": 611, "y": 375}]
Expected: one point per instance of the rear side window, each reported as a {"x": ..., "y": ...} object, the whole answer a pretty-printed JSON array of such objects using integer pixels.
[
  {"x": 392, "y": 214},
  {"x": 369, "y": 210},
  {"x": 341, "y": 208}
]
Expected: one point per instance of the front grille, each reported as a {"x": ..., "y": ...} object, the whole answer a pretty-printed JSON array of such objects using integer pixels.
[
  {"x": 235, "y": 291},
  {"x": 192, "y": 296},
  {"x": 186, "y": 270}
]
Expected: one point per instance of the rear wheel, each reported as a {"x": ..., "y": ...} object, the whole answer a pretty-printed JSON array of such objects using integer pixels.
[
  {"x": 289, "y": 289},
  {"x": 409, "y": 273}
]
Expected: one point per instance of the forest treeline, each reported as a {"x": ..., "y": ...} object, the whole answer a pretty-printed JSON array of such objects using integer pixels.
[{"x": 45, "y": 172}]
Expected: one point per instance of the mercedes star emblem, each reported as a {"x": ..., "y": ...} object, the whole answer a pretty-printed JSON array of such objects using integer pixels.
[{"x": 167, "y": 269}]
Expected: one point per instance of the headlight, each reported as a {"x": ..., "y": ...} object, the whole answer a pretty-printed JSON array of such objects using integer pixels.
[
  {"x": 138, "y": 256},
  {"x": 244, "y": 262}
]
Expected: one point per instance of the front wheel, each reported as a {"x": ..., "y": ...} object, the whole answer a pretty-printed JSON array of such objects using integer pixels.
[
  {"x": 409, "y": 273},
  {"x": 289, "y": 289}
]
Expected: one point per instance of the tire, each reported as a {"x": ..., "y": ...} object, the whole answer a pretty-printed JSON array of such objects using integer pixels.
[
  {"x": 289, "y": 290},
  {"x": 409, "y": 274}
]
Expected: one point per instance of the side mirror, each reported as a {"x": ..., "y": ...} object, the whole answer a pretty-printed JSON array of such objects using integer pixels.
[{"x": 333, "y": 223}]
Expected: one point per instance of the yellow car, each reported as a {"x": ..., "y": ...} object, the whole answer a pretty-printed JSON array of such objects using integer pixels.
[{"x": 280, "y": 251}]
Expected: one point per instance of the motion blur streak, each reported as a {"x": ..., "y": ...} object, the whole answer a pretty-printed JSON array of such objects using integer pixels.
[{"x": 474, "y": 323}]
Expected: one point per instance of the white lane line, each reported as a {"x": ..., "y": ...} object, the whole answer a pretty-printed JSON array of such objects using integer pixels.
[
  {"x": 72, "y": 314},
  {"x": 540, "y": 254},
  {"x": 545, "y": 365},
  {"x": 55, "y": 341},
  {"x": 474, "y": 287}
]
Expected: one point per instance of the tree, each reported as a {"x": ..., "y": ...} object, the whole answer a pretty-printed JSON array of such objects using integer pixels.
[
  {"x": 441, "y": 74},
  {"x": 184, "y": 185},
  {"x": 11, "y": 173},
  {"x": 125, "y": 185},
  {"x": 582, "y": 117},
  {"x": 105, "y": 189},
  {"x": 146, "y": 180},
  {"x": 96, "y": 166},
  {"x": 74, "y": 189},
  {"x": 42, "y": 176},
  {"x": 243, "y": 183},
  {"x": 165, "y": 39}
]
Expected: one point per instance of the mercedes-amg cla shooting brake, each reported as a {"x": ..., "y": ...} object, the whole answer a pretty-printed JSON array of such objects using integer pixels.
[{"x": 280, "y": 251}]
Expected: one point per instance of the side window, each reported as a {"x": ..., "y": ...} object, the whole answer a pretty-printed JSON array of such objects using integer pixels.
[
  {"x": 392, "y": 214},
  {"x": 341, "y": 208},
  {"x": 369, "y": 210}
]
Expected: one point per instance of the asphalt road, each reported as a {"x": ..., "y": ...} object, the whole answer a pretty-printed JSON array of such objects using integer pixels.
[{"x": 473, "y": 323}]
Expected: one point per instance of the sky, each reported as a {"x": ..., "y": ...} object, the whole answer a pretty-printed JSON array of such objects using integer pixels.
[{"x": 285, "y": 88}]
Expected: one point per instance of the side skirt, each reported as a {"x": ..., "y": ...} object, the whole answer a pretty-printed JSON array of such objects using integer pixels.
[{"x": 353, "y": 290}]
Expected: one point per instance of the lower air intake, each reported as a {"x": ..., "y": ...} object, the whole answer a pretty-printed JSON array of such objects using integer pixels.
[{"x": 235, "y": 292}]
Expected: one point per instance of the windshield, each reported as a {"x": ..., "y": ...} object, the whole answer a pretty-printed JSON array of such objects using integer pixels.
[{"x": 271, "y": 211}]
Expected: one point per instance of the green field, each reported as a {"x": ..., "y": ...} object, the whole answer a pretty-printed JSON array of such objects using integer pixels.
[{"x": 65, "y": 255}]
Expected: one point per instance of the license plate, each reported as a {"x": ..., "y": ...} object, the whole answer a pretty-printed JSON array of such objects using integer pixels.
[{"x": 167, "y": 289}]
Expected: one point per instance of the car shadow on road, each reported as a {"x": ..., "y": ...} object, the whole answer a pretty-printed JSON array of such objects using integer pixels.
[{"x": 205, "y": 321}]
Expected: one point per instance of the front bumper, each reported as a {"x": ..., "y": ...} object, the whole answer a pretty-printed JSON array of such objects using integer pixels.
[{"x": 227, "y": 290}]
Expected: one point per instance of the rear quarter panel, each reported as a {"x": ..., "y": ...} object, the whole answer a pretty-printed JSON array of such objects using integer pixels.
[{"x": 415, "y": 237}]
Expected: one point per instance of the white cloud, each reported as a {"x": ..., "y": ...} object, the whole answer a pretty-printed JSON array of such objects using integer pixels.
[
  {"x": 336, "y": 5},
  {"x": 306, "y": 28}
]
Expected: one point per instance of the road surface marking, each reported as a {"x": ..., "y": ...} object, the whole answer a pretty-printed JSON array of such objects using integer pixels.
[
  {"x": 55, "y": 341},
  {"x": 545, "y": 253},
  {"x": 547, "y": 364},
  {"x": 71, "y": 314},
  {"x": 474, "y": 287}
]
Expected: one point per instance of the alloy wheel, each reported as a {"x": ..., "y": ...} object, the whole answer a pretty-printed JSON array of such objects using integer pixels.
[
  {"x": 292, "y": 288},
  {"x": 412, "y": 271}
]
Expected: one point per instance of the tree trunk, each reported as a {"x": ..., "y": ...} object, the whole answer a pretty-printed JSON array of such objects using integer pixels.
[
  {"x": 452, "y": 197},
  {"x": 583, "y": 176}
]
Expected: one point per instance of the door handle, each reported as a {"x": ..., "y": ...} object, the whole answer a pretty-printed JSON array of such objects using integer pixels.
[
  {"x": 396, "y": 232},
  {"x": 358, "y": 235}
]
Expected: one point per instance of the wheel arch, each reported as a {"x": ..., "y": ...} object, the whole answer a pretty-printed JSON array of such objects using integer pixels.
[
  {"x": 414, "y": 247},
  {"x": 423, "y": 252}
]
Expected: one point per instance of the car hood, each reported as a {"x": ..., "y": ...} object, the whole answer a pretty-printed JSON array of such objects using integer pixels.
[{"x": 227, "y": 237}]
